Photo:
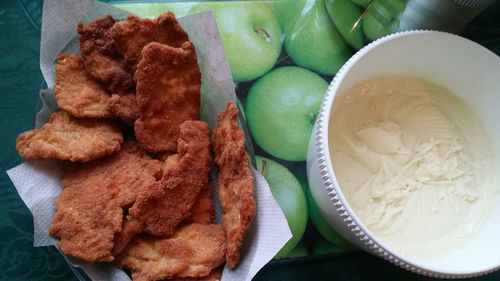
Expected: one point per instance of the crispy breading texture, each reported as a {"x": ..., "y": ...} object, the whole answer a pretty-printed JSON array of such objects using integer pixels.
[
  {"x": 193, "y": 251},
  {"x": 77, "y": 92},
  {"x": 90, "y": 209},
  {"x": 68, "y": 138},
  {"x": 124, "y": 106},
  {"x": 133, "y": 34},
  {"x": 203, "y": 211},
  {"x": 168, "y": 93},
  {"x": 159, "y": 210},
  {"x": 215, "y": 275},
  {"x": 235, "y": 182},
  {"x": 100, "y": 56},
  {"x": 104, "y": 63}
]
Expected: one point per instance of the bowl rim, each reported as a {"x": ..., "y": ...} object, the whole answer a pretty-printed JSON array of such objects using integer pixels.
[{"x": 332, "y": 187}]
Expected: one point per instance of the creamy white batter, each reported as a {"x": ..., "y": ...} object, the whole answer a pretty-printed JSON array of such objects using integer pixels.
[{"x": 413, "y": 161}]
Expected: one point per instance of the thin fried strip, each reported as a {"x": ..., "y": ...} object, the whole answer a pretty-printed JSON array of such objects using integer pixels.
[
  {"x": 193, "y": 251},
  {"x": 168, "y": 93},
  {"x": 235, "y": 182},
  {"x": 104, "y": 63},
  {"x": 90, "y": 209},
  {"x": 158, "y": 211},
  {"x": 133, "y": 34},
  {"x": 78, "y": 93},
  {"x": 68, "y": 138}
]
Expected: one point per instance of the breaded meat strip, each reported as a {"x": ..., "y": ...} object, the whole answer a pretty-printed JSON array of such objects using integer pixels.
[{"x": 235, "y": 181}]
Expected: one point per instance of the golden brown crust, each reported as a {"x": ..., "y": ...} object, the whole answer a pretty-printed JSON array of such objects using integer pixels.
[
  {"x": 132, "y": 35},
  {"x": 215, "y": 275},
  {"x": 124, "y": 106},
  {"x": 160, "y": 209},
  {"x": 168, "y": 93},
  {"x": 203, "y": 211},
  {"x": 68, "y": 138},
  {"x": 193, "y": 251},
  {"x": 78, "y": 93},
  {"x": 101, "y": 58},
  {"x": 90, "y": 209},
  {"x": 181, "y": 183},
  {"x": 235, "y": 182}
]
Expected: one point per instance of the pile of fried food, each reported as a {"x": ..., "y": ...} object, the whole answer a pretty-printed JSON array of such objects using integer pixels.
[{"x": 142, "y": 198}]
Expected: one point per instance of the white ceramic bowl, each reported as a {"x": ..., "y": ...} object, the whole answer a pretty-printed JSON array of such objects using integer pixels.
[{"x": 468, "y": 70}]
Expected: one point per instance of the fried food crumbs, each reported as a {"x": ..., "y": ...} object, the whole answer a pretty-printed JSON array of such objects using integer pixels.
[
  {"x": 235, "y": 182},
  {"x": 66, "y": 137},
  {"x": 193, "y": 251}
]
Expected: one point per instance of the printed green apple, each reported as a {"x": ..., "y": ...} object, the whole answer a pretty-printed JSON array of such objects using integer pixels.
[
  {"x": 251, "y": 36},
  {"x": 322, "y": 246},
  {"x": 320, "y": 222},
  {"x": 382, "y": 17},
  {"x": 299, "y": 251},
  {"x": 281, "y": 108},
  {"x": 287, "y": 12},
  {"x": 288, "y": 193},
  {"x": 312, "y": 41},
  {"x": 347, "y": 18},
  {"x": 362, "y": 3}
]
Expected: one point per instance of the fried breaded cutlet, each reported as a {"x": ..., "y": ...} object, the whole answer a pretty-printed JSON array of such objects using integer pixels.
[
  {"x": 192, "y": 251},
  {"x": 215, "y": 275},
  {"x": 203, "y": 211},
  {"x": 235, "y": 181},
  {"x": 124, "y": 106},
  {"x": 69, "y": 138},
  {"x": 77, "y": 92},
  {"x": 159, "y": 210},
  {"x": 168, "y": 93},
  {"x": 104, "y": 63},
  {"x": 94, "y": 200},
  {"x": 101, "y": 58},
  {"x": 133, "y": 34}
]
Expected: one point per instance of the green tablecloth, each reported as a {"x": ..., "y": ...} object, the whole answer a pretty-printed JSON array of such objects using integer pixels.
[{"x": 20, "y": 80}]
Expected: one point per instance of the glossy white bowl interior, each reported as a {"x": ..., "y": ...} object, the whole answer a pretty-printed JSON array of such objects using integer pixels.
[{"x": 467, "y": 69}]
